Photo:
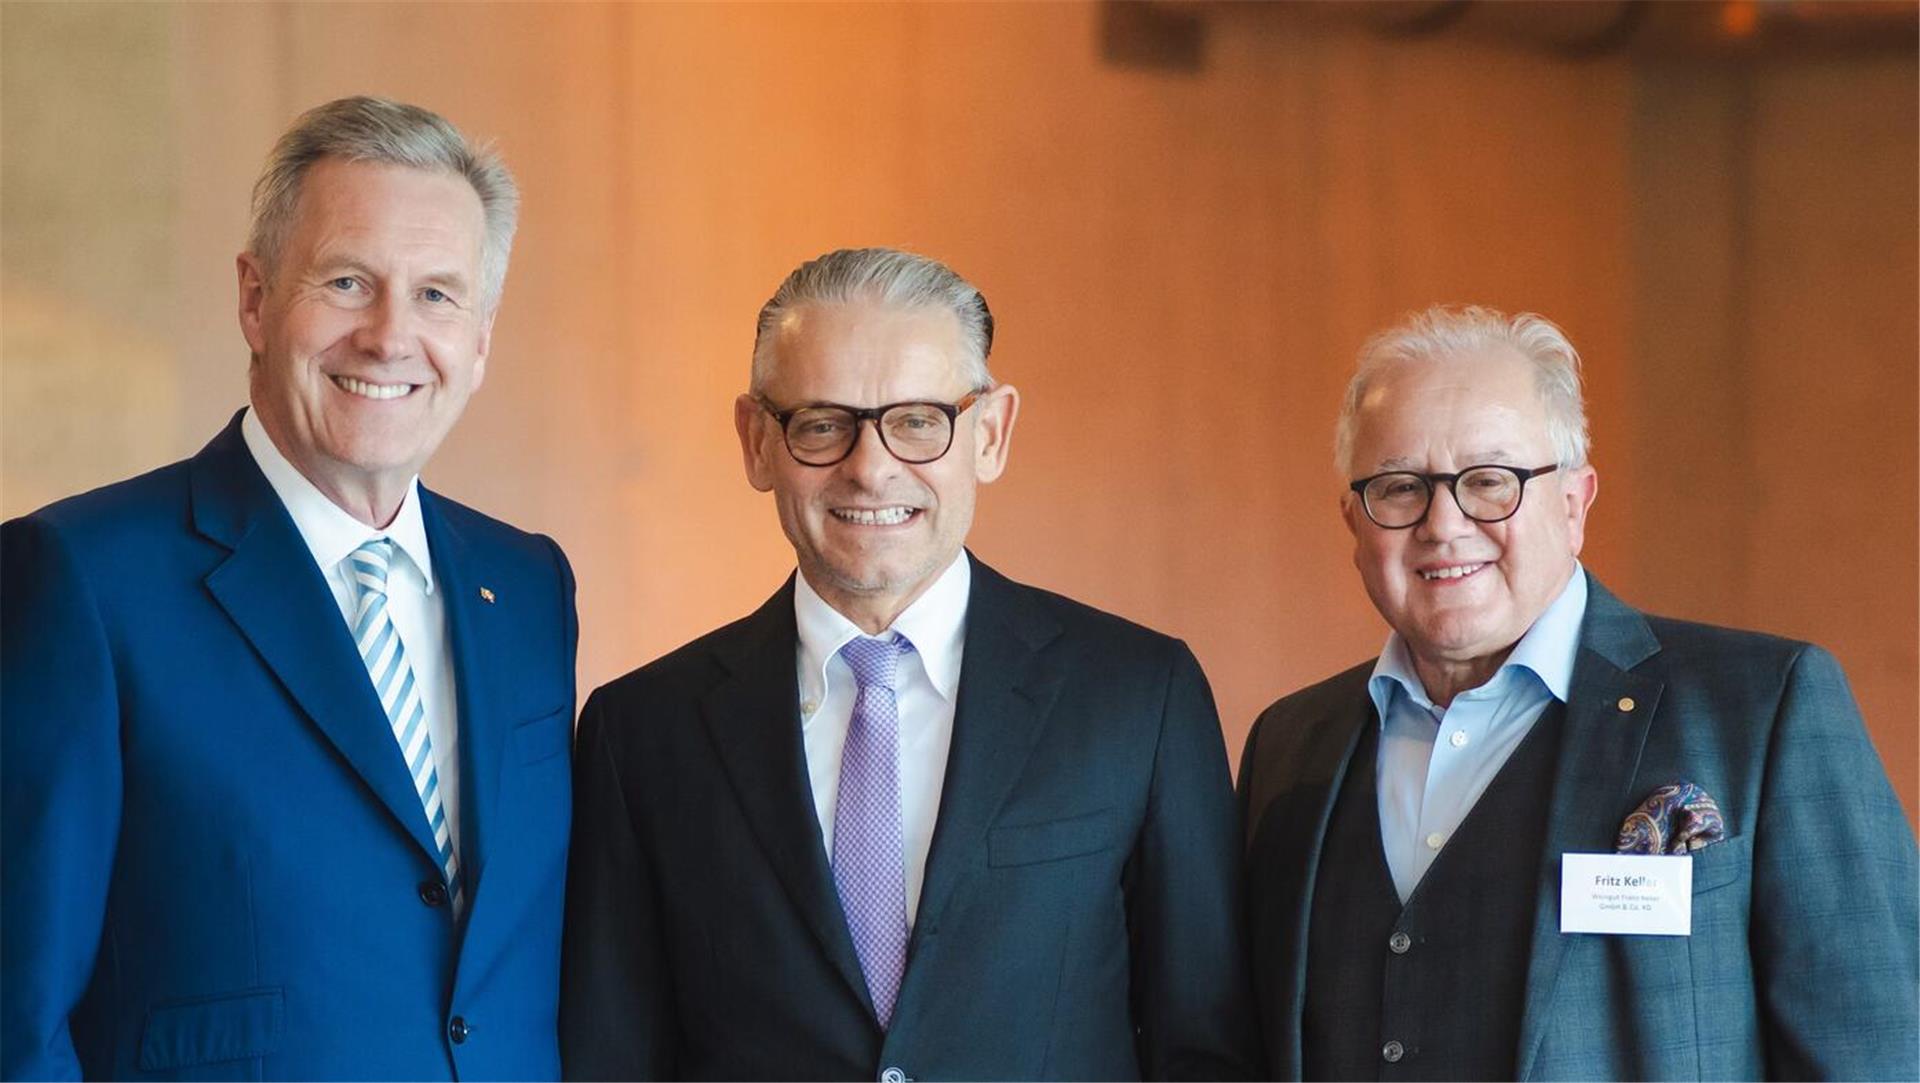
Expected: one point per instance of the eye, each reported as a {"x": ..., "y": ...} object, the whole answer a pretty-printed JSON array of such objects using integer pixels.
[
  {"x": 819, "y": 426},
  {"x": 343, "y": 284},
  {"x": 434, "y": 296}
]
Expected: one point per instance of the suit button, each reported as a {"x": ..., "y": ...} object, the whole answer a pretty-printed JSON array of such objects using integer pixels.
[
  {"x": 893, "y": 1075},
  {"x": 1392, "y": 1052},
  {"x": 433, "y": 893},
  {"x": 1399, "y": 943},
  {"x": 457, "y": 1030}
]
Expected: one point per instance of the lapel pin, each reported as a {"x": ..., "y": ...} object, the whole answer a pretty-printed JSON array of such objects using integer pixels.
[
  {"x": 486, "y": 596},
  {"x": 1625, "y": 704}
]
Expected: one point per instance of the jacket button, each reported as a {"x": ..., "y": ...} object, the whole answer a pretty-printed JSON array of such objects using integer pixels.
[
  {"x": 893, "y": 1075},
  {"x": 457, "y": 1030},
  {"x": 1392, "y": 1052},
  {"x": 1398, "y": 943},
  {"x": 433, "y": 893}
]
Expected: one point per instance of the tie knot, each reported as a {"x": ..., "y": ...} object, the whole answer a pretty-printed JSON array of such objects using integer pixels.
[
  {"x": 873, "y": 660},
  {"x": 370, "y": 563}
]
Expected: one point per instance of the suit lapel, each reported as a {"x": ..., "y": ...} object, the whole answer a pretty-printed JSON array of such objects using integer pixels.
[
  {"x": 753, "y": 716},
  {"x": 1599, "y": 757},
  {"x": 1324, "y": 770},
  {"x": 1005, "y": 697},
  {"x": 272, "y": 591},
  {"x": 478, "y": 633}
]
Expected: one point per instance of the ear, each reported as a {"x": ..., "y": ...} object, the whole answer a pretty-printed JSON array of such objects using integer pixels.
[
  {"x": 482, "y": 349},
  {"x": 993, "y": 430},
  {"x": 253, "y": 297},
  {"x": 1578, "y": 490},
  {"x": 750, "y": 420},
  {"x": 1351, "y": 513}
]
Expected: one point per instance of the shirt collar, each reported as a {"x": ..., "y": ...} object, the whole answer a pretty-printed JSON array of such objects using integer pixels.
[
  {"x": 1547, "y": 651},
  {"x": 936, "y": 625},
  {"x": 330, "y": 533}
]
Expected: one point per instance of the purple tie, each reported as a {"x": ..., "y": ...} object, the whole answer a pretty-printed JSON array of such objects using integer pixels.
[{"x": 869, "y": 868}]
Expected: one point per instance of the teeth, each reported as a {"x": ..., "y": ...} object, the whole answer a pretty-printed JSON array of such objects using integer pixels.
[
  {"x": 371, "y": 391},
  {"x": 1454, "y": 572},
  {"x": 873, "y": 516}
]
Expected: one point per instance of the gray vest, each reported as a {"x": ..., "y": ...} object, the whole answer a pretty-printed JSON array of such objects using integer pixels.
[{"x": 1435, "y": 989}]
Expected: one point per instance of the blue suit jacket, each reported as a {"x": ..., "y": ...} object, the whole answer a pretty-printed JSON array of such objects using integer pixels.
[
  {"x": 215, "y": 864},
  {"x": 1080, "y": 914},
  {"x": 1803, "y": 961}
]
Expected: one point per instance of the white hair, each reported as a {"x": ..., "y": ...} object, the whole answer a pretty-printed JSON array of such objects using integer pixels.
[
  {"x": 890, "y": 277},
  {"x": 363, "y": 129},
  {"x": 1440, "y": 334}
]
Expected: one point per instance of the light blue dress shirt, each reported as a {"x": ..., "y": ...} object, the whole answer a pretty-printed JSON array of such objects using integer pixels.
[{"x": 1434, "y": 763}]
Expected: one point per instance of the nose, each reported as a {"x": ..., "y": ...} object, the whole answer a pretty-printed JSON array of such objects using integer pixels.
[
  {"x": 382, "y": 333},
  {"x": 1445, "y": 521},
  {"x": 869, "y": 463}
]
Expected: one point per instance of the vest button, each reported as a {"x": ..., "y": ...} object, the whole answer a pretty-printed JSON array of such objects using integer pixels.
[
  {"x": 1392, "y": 1052},
  {"x": 433, "y": 893},
  {"x": 457, "y": 1030},
  {"x": 1399, "y": 943}
]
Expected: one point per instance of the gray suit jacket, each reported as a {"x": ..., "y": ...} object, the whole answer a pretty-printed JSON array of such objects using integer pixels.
[{"x": 1803, "y": 961}]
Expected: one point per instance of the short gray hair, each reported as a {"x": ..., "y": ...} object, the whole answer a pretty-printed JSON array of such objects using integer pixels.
[
  {"x": 889, "y": 277},
  {"x": 1441, "y": 333},
  {"x": 363, "y": 129}
]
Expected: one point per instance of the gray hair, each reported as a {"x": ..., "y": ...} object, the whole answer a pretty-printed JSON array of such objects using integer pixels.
[
  {"x": 1441, "y": 333},
  {"x": 887, "y": 276},
  {"x": 363, "y": 129}
]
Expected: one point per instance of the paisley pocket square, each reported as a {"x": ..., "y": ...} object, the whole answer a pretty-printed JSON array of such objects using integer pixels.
[{"x": 1677, "y": 818}]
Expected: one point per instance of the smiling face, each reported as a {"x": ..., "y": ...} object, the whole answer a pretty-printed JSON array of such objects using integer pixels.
[
  {"x": 871, "y": 532},
  {"x": 370, "y": 335},
  {"x": 1462, "y": 593}
]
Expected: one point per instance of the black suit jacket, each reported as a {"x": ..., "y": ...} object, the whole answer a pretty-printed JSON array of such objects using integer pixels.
[
  {"x": 1079, "y": 917},
  {"x": 1802, "y": 963}
]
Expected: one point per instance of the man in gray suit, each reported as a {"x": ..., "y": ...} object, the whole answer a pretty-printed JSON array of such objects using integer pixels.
[{"x": 1412, "y": 823}]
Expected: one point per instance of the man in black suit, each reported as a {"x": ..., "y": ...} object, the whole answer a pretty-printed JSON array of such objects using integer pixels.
[
  {"x": 909, "y": 819},
  {"x": 1417, "y": 824}
]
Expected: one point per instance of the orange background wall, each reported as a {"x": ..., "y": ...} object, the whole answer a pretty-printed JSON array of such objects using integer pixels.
[{"x": 1182, "y": 261}]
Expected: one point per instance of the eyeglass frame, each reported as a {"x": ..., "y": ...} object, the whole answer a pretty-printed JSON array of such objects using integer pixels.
[
  {"x": 953, "y": 410},
  {"x": 1433, "y": 484}
]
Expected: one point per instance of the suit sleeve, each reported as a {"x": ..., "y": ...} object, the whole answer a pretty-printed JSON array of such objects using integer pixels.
[
  {"x": 616, "y": 998},
  {"x": 1835, "y": 934},
  {"x": 60, "y": 792},
  {"x": 1192, "y": 999}
]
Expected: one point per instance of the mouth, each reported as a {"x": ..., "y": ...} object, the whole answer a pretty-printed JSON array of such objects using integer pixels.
[
  {"x": 1450, "y": 572},
  {"x": 368, "y": 390},
  {"x": 892, "y": 515}
]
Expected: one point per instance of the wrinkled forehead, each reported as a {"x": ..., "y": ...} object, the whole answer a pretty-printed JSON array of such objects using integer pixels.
[{"x": 1431, "y": 413}]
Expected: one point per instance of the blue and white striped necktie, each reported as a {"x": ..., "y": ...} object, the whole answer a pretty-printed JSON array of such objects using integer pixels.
[{"x": 386, "y": 659}]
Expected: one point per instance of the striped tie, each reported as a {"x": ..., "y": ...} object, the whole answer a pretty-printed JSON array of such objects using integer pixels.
[{"x": 386, "y": 659}]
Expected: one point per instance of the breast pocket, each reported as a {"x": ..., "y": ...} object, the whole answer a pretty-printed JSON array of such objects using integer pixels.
[
  {"x": 1725, "y": 862},
  {"x": 1051, "y": 840},
  {"x": 544, "y": 737}
]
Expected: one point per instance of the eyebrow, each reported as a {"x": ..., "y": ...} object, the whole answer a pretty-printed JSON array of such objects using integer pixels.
[{"x": 1494, "y": 457}]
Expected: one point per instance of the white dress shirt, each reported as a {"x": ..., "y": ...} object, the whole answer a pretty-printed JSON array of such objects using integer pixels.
[
  {"x": 927, "y": 681},
  {"x": 1434, "y": 763},
  {"x": 418, "y": 612}
]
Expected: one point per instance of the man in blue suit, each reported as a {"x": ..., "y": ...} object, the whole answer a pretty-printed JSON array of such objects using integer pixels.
[
  {"x": 1414, "y": 825},
  {"x": 910, "y": 819},
  {"x": 285, "y": 784}
]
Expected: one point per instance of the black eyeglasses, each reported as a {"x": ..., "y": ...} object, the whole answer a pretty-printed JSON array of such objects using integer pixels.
[
  {"x": 913, "y": 432},
  {"x": 1400, "y": 499}
]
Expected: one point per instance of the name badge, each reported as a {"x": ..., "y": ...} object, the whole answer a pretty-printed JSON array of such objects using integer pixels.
[{"x": 1626, "y": 893}]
